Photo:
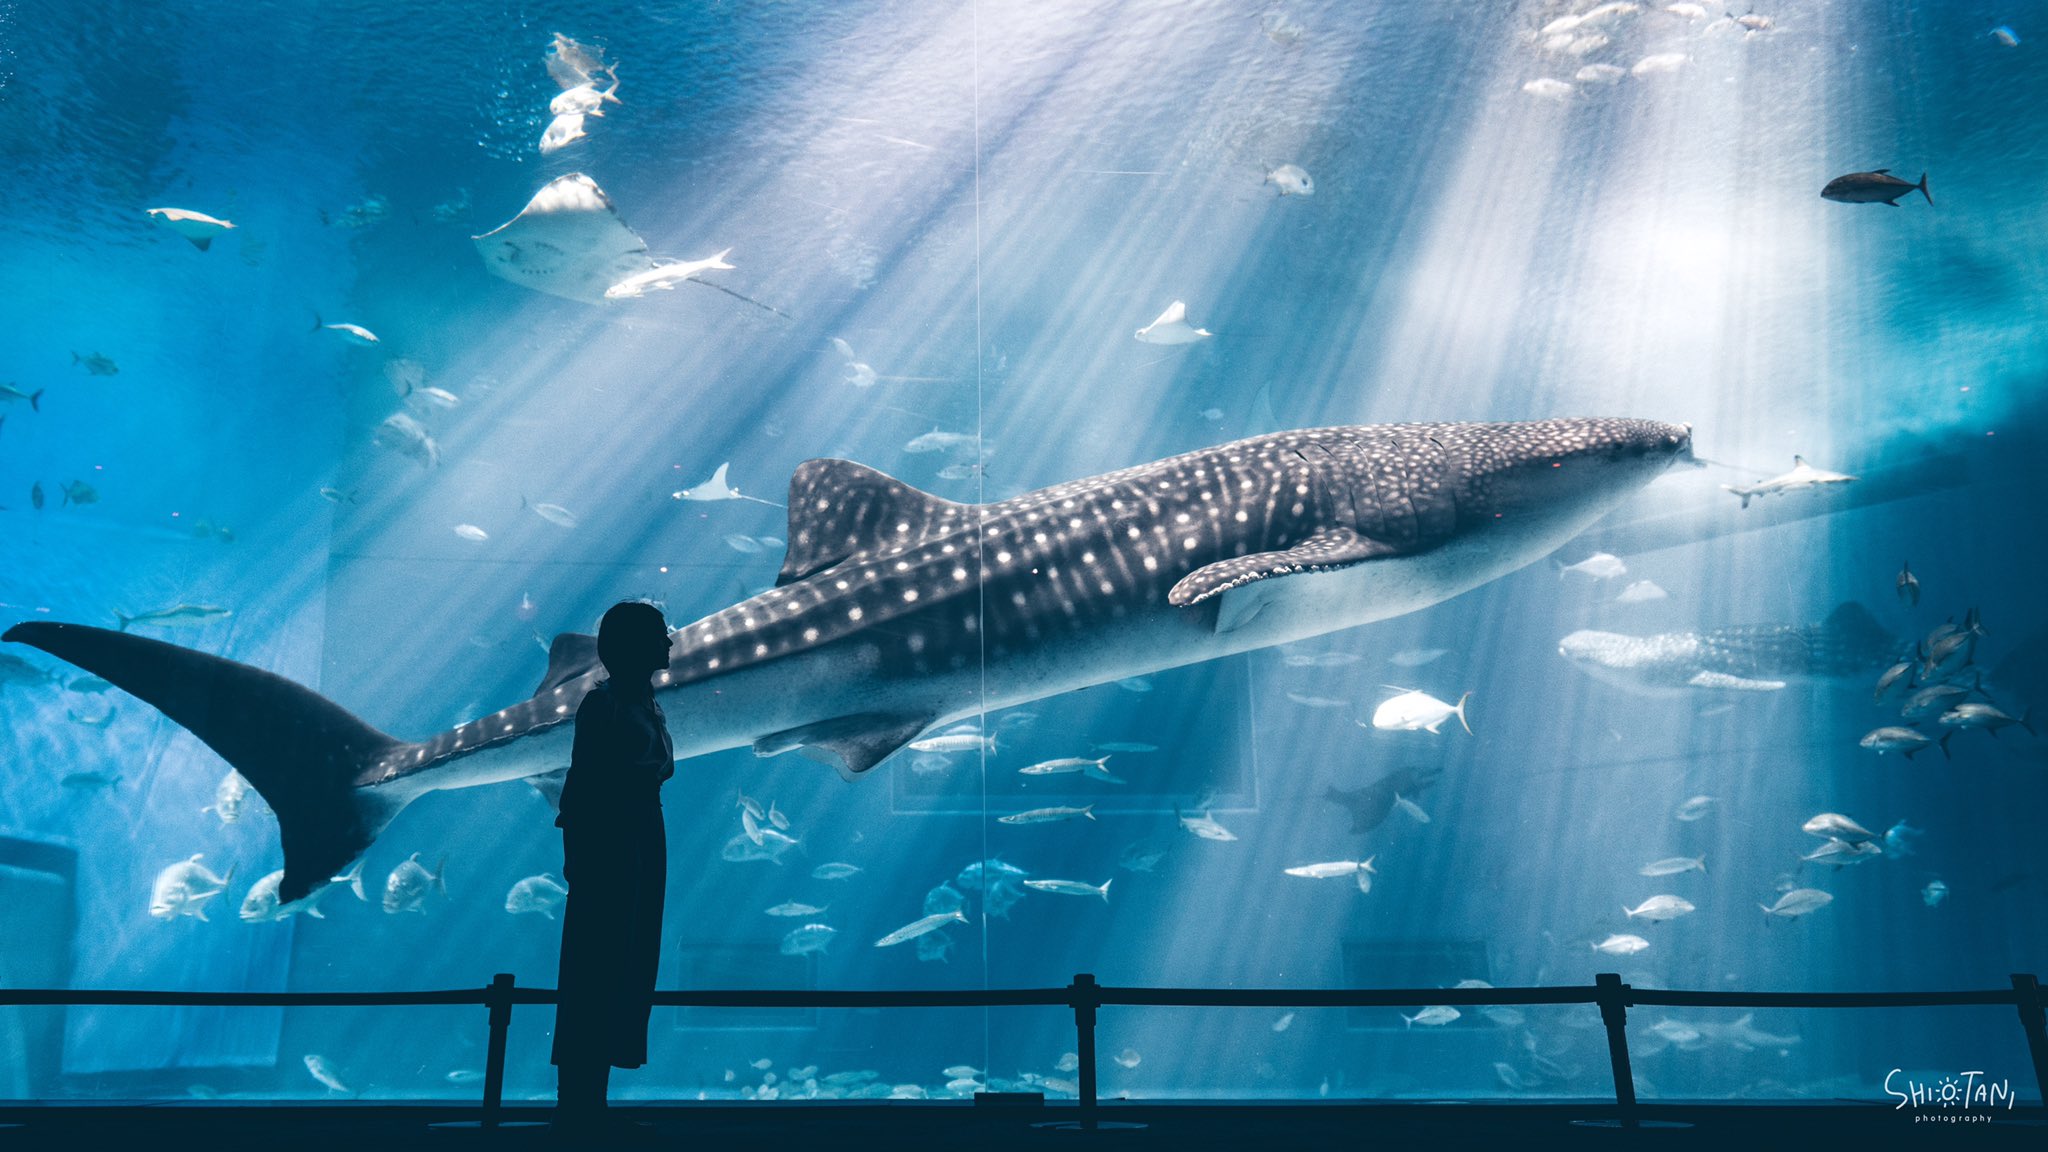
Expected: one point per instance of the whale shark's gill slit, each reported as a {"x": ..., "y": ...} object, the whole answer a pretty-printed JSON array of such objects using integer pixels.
[{"x": 301, "y": 751}]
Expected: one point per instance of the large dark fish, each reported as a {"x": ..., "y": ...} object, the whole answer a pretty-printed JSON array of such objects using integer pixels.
[
  {"x": 1879, "y": 187},
  {"x": 1370, "y": 805}
]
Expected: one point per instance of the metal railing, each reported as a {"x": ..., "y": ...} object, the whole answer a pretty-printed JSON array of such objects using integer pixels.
[{"x": 1085, "y": 998}]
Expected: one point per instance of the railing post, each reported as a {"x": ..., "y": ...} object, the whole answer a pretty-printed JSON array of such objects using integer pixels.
[
  {"x": 498, "y": 997},
  {"x": 2028, "y": 991},
  {"x": 1612, "y": 996},
  {"x": 1085, "y": 998}
]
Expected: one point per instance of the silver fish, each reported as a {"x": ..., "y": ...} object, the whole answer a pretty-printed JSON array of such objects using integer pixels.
[
  {"x": 1047, "y": 815},
  {"x": 920, "y": 926}
]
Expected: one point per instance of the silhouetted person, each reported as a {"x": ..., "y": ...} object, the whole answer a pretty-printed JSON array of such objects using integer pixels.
[{"x": 615, "y": 859}]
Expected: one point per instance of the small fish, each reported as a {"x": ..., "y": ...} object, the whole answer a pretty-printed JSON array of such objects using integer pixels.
[
  {"x": 1621, "y": 944},
  {"x": 182, "y": 889},
  {"x": 472, "y": 533},
  {"x": 1599, "y": 74},
  {"x": 1285, "y": 1022},
  {"x": 1128, "y": 1058},
  {"x": 465, "y": 1076},
  {"x": 665, "y": 276},
  {"x": 402, "y": 434},
  {"x": 1172, "y": 328},
  {"x": 1434, "y": 1016},
  {"x": 543, "y": 894},
  {"x": 807, "y": 939},
  {"x": 1843, "y": 852},
  {"x": 1047, "y": 815},
  {"x": 792, "y": 908},
  {"x": 1292, "y": 180},
  {"x": 437, "y": 397},
  {"x": 1418, "y": 711},
  {"x": 1070, "y": 888},
  {"x": 1332, "y": 869},
  {"x": 1908, "y": 586},
  {"x": 1599, "y": 566},
  {"x": 1547, "y": 88},
  {"x": 1068, "y": 1062},
  {"x": 1317, "y": 701},
  {"x": 1663, "y": 63},
  {"x": 1934, "y": 893},
  {"x": 920, "y": 926},
  {"x": 834, "y": 871},
  {"x": 762, "y": 1065},
  {"x": 776, "y": 818},
  {"x": 1798, "y": 902},
  {"x": 179, "y": 616},
  {"x": 10, "y": 394},
  {"x": 1898, "y": 839},
  {"x": 938, "y": 441},
  {"x": 1411, "y": 809},
  {"x": 744, "y": 544},
  {"x": 1135, "y": 684},
  {"x": 35, "y": 495},
  {"x": 1696, "y": 808},
  {"x": 930, "y": 764},
  {"x": 89, "y": 782},
  {"x": 1659, "y": 908},
  {"x": 197, "y": 227},
  {"x": 80, "y": 493},
  {"x": 1975, "y": 714},
  {"x": 353, "y": 333},
  {"x": 953, "y": 742},
  {"x": 552, "y": 513},
  {"x": 561, "y": 132},
  {"x": 228, "y": 797},
  {"x": 1902, "y": 671},
  {"x": 96, "y": 364},
  {"x": 1902, "y": 740},
  {"x": 1878, "y": 187},
  {"x": 1093, "y": 769},
  {"x": 2006, "y": 36},
  {"x": 1837, "y": 826},
  {"x": 1203, "y": 826},
  {"x": 1142, "y": 855},
  {"x": 1754, "y": 22},
  {"x": 405, "y": 890},
  {"x": 1417, "y": 657},
  {"x": 962, "y": 471},
  {"x": 260, "y": 906},
  {"x": 1687, "y": 11},
  {"x": 324, "y": 1072},
  {"x": 1641, "y": 592},
  {"x": 1673, "y": 865}
]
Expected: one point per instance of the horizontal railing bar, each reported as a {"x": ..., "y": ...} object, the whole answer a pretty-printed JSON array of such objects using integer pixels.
[{"x": 1043, "y": 997}]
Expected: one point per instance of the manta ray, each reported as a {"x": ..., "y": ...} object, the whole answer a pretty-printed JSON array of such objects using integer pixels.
[{"x": 896, "y": 611}]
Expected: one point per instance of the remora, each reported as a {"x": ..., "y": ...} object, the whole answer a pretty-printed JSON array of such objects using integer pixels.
[{"x": 891, "y": 601}]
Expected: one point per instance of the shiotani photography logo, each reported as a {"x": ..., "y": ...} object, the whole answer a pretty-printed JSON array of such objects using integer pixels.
[{"x": 1952, "y": 1098}]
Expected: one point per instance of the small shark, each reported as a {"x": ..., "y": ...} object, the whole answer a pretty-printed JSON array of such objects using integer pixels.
[
  {"x": 1802, "y": 475},
  {"x": 897, "y": 612},
  {"x": 1741, "y": 658}
]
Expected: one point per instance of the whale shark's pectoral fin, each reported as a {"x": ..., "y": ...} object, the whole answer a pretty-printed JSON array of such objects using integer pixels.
[
  {"x": 549, "y": 785},
  {"x": 859, "y": 742},
  {"x": 1243, "y": 576},
  {"x": 571, "y": 655},
  {"x": 1727, "y": 682},
  {"x": 838, "y": 507}
]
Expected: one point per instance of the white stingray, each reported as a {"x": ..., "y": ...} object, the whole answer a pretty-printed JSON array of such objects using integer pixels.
[
  {"x": 197, "y": 227},
  {"x": 717, "y": 488},
  {"x": 568, "y": 241},
  {"x": 1172, "y": 328}
]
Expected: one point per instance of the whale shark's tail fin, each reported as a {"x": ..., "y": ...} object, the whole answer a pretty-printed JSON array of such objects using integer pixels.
[{"x": 300, "y": 750}]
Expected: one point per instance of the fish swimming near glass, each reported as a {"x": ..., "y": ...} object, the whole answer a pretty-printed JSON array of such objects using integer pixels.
[
  {"x": 896, "y": 611},
  {"x": 1740, "y": 658},
  {"x": 1879, "y": 187}
]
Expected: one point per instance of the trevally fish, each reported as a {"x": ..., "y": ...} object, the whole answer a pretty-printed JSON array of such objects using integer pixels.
[
  {"x": 1797, "y": 902},
  {"x": 184, "y": 888},
  {"x": 807, "y": 939},
  {"x": 1673, "y": 865},
  {"x": 1664, "y": 907},
  {"x": 405, "y": 890},
  {"x": 1413, "y": 711},
  {"x": 1741, "y": 658},
  {"x": 1837, "y": 826},
  {"x": 1621, "y": 944},
  {"x": 542, "y": 894},
  {"x": 1203, "y": 826},
  {"x": 1878, "y": 187},
  {"x": 228, "y": 797},
  {"x": 888, "y": 596}
]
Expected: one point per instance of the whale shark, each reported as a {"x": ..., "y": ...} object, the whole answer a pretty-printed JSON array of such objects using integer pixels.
[
  {"x": 1738, "y": 658},
  {"x": 896, "y": 611}
]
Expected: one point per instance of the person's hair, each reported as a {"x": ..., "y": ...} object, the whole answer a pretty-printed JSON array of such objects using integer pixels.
[{"x": 621, "y": 620}]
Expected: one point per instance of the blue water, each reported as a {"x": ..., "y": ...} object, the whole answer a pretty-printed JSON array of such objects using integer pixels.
[{"x": 984, "y": 201}]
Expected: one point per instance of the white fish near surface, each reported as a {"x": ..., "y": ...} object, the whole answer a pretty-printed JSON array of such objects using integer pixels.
[
  {"x": 582, "y": 100},
  {"x": 1418, "y": 711},
  {"x": 1548, "y": 88},
  {"x": 405, "y": 890},
  {"x": 1642, "y": 592},
  {"x": 1663, "y": 63},
  {"x": 1693, "y": 809},
  {"x": 1599, "y": 74},
  {"x": 1172, "y": 328},
  {"x": 792, "y": 908},
  {"x": 1599, "y": 566},
  {"x": 471, "y": 533},
  {"x": 1621, "y": 944},
  {"x": 1837, "y": 826},
  {"x": 1332, "y": 869},
  {"x": 353, "y": 333},
  {"x": 184, "y": 888},
  {"x": 1798, "y": 902},
  {"x": 1047, "y": 815},
  {"x": 1204, "y": 827},
  {"x": 922, "y": 925},
  {"x": 324, "y": 1072},
  {"x": 228, "y": 797},
  {"x": 1070, "y": 888},
  {"x": 809, "y": 938},
  {"x": 1292, "y": 180},
  {"x": 197, "y": 227},
  {"x": 1673, "y": 865},
  {"x": 1687, "y": 11},
  {"x": 664, "y": 277},
  {"x": 1802, "y": 475},
  {"x": 1659, "y": 908},
  {"x": 1934, "y": 893},
  {"x": 542, "y": 894},
  {"x": 561, "y": 132},
  {"x": 1434, "y": 1016}
]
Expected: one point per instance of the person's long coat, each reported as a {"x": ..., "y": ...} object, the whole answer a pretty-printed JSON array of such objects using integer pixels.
[{"x": 615, "y": 859}]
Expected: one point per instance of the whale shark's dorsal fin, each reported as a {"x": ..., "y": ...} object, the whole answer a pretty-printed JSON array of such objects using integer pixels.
[
  {"x": 571, "y": 655},
  {"x": 838, "y": 507}
]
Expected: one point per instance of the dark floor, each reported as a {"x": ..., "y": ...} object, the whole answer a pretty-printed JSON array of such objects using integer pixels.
[{"x": 929, "y": 1128}]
